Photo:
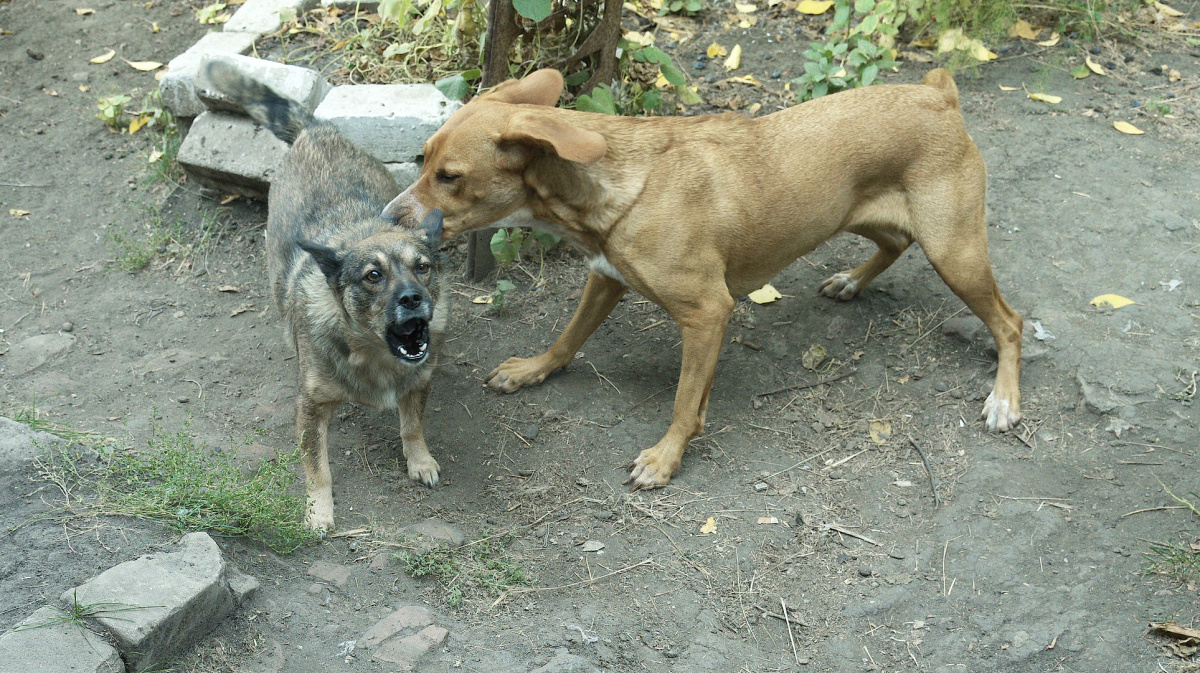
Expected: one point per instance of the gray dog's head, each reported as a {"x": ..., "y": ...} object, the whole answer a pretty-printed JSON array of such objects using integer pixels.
[{"x": 388, "y": 284}]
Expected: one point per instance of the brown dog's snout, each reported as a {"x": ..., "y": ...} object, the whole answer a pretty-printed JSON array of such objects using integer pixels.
[{"x": 404, "y": 210}]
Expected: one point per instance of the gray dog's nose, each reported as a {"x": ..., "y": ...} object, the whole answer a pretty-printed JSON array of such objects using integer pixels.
[{"x": 409, "y": 299}]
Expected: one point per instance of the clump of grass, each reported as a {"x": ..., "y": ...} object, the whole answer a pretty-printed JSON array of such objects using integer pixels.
[
  {"x": 480, "y": 568},
  {"x": 1177, "y": 561},
  {"x": 187, "y": 486},
  {"x": 136, "y": 248},
  {"x": 78, "y": 612}
]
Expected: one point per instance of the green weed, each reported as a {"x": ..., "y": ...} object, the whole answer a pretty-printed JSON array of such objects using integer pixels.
[
  {"x": 136, "y": 248},
  {"x": 78, "y": 612},
  {"x": 483, "y": 568},
  {"x": 1178, "y": 561},
  {"x": 112, "y": 111}
]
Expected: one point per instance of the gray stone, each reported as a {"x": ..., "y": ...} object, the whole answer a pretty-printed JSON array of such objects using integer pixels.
[
  {"x": 1172, "y": 221},
  {"x": 338, "y": 576},
  {"x": 404, "y": 173},
  {"x": 178, "y": 86},
  {"x": 46, "y": 642},
  {"x": 363, "y": 6},
  {"x": 964, "y": 328},
  {"x": 19, "y": 442},
  {"x": 302, "y": 85},
  {"x": 408, "y": 617},
  {"x": 36, "y": 351},
  {"x": 262, "y": 16},
  {"x": 431, "y": 534},
  {"x": 565, "y": 662},
  {"x": 163, "y": 603},
  {"x": 406, "y": 652},
  {"x": 1097, "y": 398},
  {"x": 391, "y": 121},
  {"x": 231, "y": 154}
]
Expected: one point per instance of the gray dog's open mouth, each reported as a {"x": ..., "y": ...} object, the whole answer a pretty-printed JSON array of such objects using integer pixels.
[{"x": 409, "y": 340}]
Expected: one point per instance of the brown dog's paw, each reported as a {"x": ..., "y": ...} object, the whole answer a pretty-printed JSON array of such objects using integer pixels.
[
  {"x": 320, "y": 514},
  {"x": 839, "y": 286},
  {"x": 424, "y": 469},
  {"x": 1000, "y": 414},
  {"x": 516, "y": 373},
  {"x": 653, "y": 468}
]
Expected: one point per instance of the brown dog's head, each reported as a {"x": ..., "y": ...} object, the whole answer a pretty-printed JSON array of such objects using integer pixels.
[
  {"x": 474, "y": 164},
  {"x": 388, "y": 284}
]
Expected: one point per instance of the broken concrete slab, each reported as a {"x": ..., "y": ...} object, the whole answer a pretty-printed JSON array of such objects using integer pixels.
[
  {"x": 431, "y": 534},
  {"x": 407, "y": 617},
  {"x": 159, "y": 605},
  {"x": 565, "y": 662},
  {"x": 36, "y": 351},
  {"x": 231, "y": 154},
  {"x": 266, "y": 16},
  {"x": 178, "y": 85},
  {"x": 407, "y": 652},
  {"x": 330, "y": 573},
  {"x": 48, "y": 642},
  {"x": 302, "y": 85},
  {"x": 391, "y": 121},
  {"x": 404, "y": 173},
  {"x": 21, "y": 443}
]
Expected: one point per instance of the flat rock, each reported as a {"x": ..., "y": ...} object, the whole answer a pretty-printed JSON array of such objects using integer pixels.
[
  {"x": 302, "y": 85},
  {"x": 363, "y": 6},
  {"x": 231, "y": 154},
  {"x": 1097, "y": 398},
  {"x": 331, "y": 573},
  {"x": 407, "y": 617},
  {"x": 964, "y": 328},
  {"x": 391, "y": 121},
  {"x": 406, "y": 652},
  {"x": 178, "y": 85},
  {"x": 432, "y": 533},
  {"x": 163, "y": 603},
  {"x": 404, "y": 173},
  {"x": 47, "y": 643},
  {"x": 262, "y": 16},
  {"x": 36, "y": 351},
  {"x": 565, "y": 662},
  {"x": 20, "y": 443}
]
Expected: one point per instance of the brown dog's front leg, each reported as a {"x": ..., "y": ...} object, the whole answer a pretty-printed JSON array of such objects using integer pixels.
[
  {"x": 600, "y": 296},
  {"x": 421, "y": 465},
  {"x": 312, "y": 432},
  {"x": 703, "y": 332}
]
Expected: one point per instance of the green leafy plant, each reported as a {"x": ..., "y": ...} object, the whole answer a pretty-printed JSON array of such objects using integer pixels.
[
  {"x": 503, "y": 287},
  {"x": 78, "y": 612},
  {"x": 482, "y": 567},
  {"x": 211, "y": 14},
  {"x": 638, "y": 90},
  {"x": 862, "y": 35},
  {"x": 112, "y": 110},
  {"x": 458, "y": 87},
  {"x": 687, "y": 7}
]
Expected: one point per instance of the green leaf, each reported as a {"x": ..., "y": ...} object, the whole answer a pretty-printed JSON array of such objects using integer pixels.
[
  {"x": 505, "y": 286},
  {"x": 841, "y": 18},
  {"x": 687, "y": 96},
  {"x": 578, "y": 77},
  {"x": 673, "y": 74},
  {"x": 863, "y": 6},
  {"x": 677, "y": 5},
  {"x": 655, "y": 55},
  {"x": 869, "y": 24},
  {"x": 820, "y": 89},
  {"x": 600, "y": 101},
  {"x": 454, "y": 87},
  {"x": 840, "y": 48},
  {"x": 546, "y": 239},
  {"x": 869, "y": 74},
  {"x": 651, "y": 100},
  {"x": 534, "y": 10},
  {"x": 503, "y": 247},
  {"x": 693, "y": 5},
  {"x": 395, "y": 10},
  {"x": 472, "y": 74}
]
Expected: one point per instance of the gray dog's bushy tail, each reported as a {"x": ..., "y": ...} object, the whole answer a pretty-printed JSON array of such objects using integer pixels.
[{"x": 281, "y": 115}]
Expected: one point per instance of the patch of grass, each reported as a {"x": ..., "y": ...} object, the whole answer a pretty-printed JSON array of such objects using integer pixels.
[
  {"x": 480, "y": 568},
  {"x": 1178, "y": 561},
  {"x": 79, "y": 612},
  {"x": 136, "y": 248},
  {"x": 189, "y": 487}
]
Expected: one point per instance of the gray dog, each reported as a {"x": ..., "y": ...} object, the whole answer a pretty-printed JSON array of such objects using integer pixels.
[{"x": 364, "y": 300}]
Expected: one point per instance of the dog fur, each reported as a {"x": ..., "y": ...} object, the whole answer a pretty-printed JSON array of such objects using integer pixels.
[
  {"x": 692, "y": 212},
  {"x": 364, "y": 300}
]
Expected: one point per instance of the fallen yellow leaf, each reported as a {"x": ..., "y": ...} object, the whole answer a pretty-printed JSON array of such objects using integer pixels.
[
  {"x": 1167, "y": 9},
  {"x": 1008, "y": 88},
  {"x": 982, "y": 53},
  {"x": 1127, "y": 128},
  {"x": 745, "y": 8},
  {"x": 1051, "y": 42},
  {"x": 229, "y": 198},
  {"x": 144, "y": 66},
  {"x": 84, "y": 88},
  {"x": 715, "y": 50},
  {"x": 747, "y": 21},
  {"x": 154, "y": 26},
  {"x": 765, "y": 295},
  {"x": 155, "y": 155},
  {"x": 105, "y": 57},
  {"x": 644, "y": 39},
  {"x": 767, "y": 520},
  {"x": 82, "y": 11},
  {"x": 1174, "y": 76},
  {"x": 745, "y": 79},
  {"x": 17, "y": 213},
  {"x": 926, "y": 42},
  {"x": 482, "y": 299},
  {"x": 1113, "y": 300},
  {"x": 1094, "y": 66},
  {"x": 735, "y": 58},
  {"x": 709, "y": 527},
  {"x": 137, "y": 124},
  {"x": 1046, "y": 98},
  {"x": 814, "y": 7},
  {"x": 880, "y": 431},
  {"x": 948, "y": 41},
  {"x": 1024, "y": 30}
]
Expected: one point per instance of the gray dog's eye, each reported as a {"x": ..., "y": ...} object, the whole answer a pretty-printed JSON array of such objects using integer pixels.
[
  {"x": 423, "y": 267},
  {"x": 373, "y": 276}
]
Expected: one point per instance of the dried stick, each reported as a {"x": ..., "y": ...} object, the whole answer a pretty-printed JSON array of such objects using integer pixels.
[
  {"x": 937, "y": 500},
  {"x": 814, "y": 384},
  {"x": 787, "y": 620}
]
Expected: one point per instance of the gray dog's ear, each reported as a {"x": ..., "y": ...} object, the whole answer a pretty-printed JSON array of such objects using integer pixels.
[
  {"x": 432, "y": 228},
  {"x": 328, "y": 259}
]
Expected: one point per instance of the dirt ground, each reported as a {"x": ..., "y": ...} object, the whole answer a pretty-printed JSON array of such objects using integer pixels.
[{"x": 1031, "y": 563}]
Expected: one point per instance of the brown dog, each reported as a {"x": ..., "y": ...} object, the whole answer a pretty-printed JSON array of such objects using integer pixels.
[{"x": 694, "y": 211}]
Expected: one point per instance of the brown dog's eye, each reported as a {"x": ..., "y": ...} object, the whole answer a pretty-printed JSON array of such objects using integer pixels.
[
  {"x": 446, "y": 178},
  {"x": 373, "y": 276},
  {"x": 423, "y": 267}
]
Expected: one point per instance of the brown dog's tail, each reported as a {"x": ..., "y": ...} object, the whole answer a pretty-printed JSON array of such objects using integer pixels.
[
  {"x": 940, "y": 78},
  {"x": 284, "y": 117}
]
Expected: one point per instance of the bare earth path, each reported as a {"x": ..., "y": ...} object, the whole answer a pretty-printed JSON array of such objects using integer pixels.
[{"x": 1028, "y": 565}]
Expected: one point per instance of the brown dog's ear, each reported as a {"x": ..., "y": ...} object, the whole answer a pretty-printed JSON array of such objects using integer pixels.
[
  {"x": 532, "y": 128},
  {"x": 542, "y": 87}
]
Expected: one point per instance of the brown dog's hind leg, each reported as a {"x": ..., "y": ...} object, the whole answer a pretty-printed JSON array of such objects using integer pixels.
[
  {"x": 600, "y": 296},
  {"x": 962, "y": 261},
  {"x": 312, "y": 432},
  {"x": 421, "y": 465},
  {"x": 845, "y": 285},
  {"x": 702, "y": 327}
]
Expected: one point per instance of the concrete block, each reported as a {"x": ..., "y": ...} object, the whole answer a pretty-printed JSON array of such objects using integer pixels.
[
  {"x": 47, "y": 643},
  {"x": 163, "y": 603},
  {"x": 407, "y": 652},
  {"x": 363, "y": 6},
  {"x": 36, "y": 351},
  {"x": 231, "y": 154},
  {"x": 391, "y": 121},
  {"x": 20, "y": 443},
  {"x": 431, "y": 534},
  {"x": 404, "y": 173},
  {"x": 299, "y": 84},
  {"x": 178, "y": 86},
  {"x": 330, "y": 573},
  {"x": 262, "y": 16},
  {"x": 407, "y": 617}
]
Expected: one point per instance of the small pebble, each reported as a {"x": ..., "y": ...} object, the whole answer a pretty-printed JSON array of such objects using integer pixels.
[
  {"x": 835, "y": 474},
  {"x": 940, "y": 386},
  {"x": 760, "y": 486},
  {"x": 1095, "y": 49},
  {"x": 956, "y": 393},
  {"x": 896, "y": 555},
  {"x": 699, "y": 65},
  {"x": 184, "y": 399},
  {"x": 530, "y": 432},
  {"x": 68, "y": 326},
  {"x": 799, "y": 519},
  {"x": 777, "y": 74},
  {"x": 1129, "y": 58},
  {"x": 710, "y": 79},
  {"x": 768, "y": 56},
  {"x": 1135, "y": 103},
  {"x": 865, "y": 571},
  {"x": 903, "y": 502},
  {"x": 701, "y": 57}
]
